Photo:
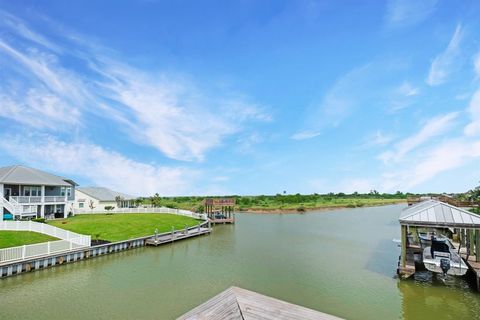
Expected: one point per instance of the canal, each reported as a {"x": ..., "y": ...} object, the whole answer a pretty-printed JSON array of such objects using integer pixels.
[{"x": 341, "y": 262}]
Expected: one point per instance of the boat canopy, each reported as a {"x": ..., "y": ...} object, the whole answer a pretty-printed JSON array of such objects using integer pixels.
[{"x": 439, "y": 214}]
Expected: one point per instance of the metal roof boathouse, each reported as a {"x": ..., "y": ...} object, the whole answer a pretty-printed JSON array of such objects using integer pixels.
[{"x": 437, "y": 215}]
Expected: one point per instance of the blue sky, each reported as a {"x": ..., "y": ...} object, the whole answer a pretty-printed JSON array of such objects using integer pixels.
[{"x": 243, "y": 97}]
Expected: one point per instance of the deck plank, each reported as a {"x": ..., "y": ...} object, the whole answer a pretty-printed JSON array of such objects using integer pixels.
[{"x": 237, "y": 303}]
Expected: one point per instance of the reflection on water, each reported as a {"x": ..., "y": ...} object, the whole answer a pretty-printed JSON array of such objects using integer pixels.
[
  {"x": 430, "y": 296},
  {"x": 341, "y": 262}
]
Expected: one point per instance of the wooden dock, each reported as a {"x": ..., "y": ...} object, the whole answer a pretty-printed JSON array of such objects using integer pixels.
[
  {"x": 222, "y": 221},
  {"x": 240, "y": 304},
  {"x": 177, "y": 235}
]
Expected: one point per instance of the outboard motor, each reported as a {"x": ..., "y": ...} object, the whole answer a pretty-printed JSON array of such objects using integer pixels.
[{"x": 445, "y": 265}]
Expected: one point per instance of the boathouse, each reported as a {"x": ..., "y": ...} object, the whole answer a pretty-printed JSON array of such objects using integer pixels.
[
  {"x": 444, "y": 218},
  {"x": 220, "y": 210}
]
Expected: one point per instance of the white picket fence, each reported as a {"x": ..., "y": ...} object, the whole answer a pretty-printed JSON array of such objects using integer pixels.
[
  {"x": 181, "y": 212},
  {"x": 69, "y": 240},
  {"x": 37, "y": 250}
]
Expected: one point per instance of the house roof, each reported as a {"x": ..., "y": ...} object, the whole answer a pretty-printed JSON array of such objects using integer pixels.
[
  {"x": 104, "y": 194},
  {"x": 239, "y": 304},
  {"x": 436, "y": 213},
  {"x": 25, "y": 175}
]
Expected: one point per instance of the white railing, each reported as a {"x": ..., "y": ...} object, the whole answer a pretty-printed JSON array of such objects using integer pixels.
[
  {"x": 11, "y": 207},
  {"x": 37, "y": 250},
  {"x": 25, "y": 199},
  {"x": 144, "y": 210},
  {"x": 52, "y": 231},
  {"x": 19, "y": 209},
  {"x": 55, "y": 199}
]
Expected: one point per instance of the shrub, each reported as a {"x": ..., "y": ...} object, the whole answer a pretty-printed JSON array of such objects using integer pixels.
[
  {"x": 40, "y": 220},
  {"x": 108, "y": 208},
  {"x": 301, "y": 209}
]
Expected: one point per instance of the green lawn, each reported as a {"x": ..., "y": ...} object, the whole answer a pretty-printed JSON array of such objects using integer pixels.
[
  {"x": 20, "y": 238},
  {"x": 123, "y": 226}
]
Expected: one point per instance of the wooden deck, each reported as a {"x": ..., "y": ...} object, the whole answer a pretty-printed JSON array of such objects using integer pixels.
[
  {"x": 239, "y": 304},
  {"x": 176, "y": 235},
  {"x": 220, "y": 221}
]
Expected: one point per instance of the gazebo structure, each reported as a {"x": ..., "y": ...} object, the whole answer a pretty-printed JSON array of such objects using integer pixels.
[
  {"x": 443, "y": 218},
  {"x": 220, "y": 210}
]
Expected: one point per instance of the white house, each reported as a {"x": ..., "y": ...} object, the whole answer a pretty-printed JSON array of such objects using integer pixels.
[
  {"x": 28, "y": 193},
  {"x": 91, "y": 199}
]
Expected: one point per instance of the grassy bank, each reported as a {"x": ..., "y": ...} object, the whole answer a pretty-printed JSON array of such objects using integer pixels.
[
  {"x": 19, "y": 238},
  {"x": 282, "y": 202},
  {"x": 116, "y": 227}
]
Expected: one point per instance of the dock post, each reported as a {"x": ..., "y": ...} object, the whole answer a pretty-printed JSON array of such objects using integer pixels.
[
  {"x": 403, "y": 260},
  {"x": 198, "y": 228},
  {"x": 173, "y": 233},
  {"x": 477, "y": 245},
  {"x": 471, "y": 238}
]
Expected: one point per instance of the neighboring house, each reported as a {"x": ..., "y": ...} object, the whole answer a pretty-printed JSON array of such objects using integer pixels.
[
  {"x": 29, "y": 193},
  {"x": 91, "y": 199}
]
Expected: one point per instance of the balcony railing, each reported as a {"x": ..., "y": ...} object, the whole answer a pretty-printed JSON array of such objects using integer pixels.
[
  {"x": 55, "y": 199},
  {"x": 46, "y": 199}
]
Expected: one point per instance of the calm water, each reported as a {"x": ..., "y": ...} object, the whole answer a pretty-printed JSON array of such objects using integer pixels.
[{"x": 341, "y": 262}]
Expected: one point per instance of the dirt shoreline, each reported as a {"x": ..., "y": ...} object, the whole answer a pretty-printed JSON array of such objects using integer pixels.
[{"x": 321, "y": 208}]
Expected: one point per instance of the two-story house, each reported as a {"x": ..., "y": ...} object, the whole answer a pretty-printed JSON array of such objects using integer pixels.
[{"x": 28, "y": 193}]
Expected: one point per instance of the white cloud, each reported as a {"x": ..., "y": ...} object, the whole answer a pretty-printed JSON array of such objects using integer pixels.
[
  {"x": 402, "y": 13},
  {"x": 402, "y": 96},
  {"x": 305, "y": 135},
  {"x": 17, "y": 26},
  {"x": 347, "y": 94},
  {"x": 39, "y": 109},
  {"x": 473, "y": 127},
  {"x": 171, "y": 114},
  {"x": 445, "y": 156},
  {"x": 434, "y": 127},
  {"x": 166, "y": 115},
  {"x": 378, "y": 139},
  {"x": 44, "y": 68},
  {"x": 101, "y": 166},
  {"x": 476, "y": 64},
  {"x": 407, "y": 90},
  {"x": 443, "y": 64}
]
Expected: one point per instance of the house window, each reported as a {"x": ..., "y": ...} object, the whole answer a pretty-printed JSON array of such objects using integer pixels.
[
  {"x": 32, "y": 191},
  {"x": 69, "y": 192},
  {"x": 62, "y": 191},
  {"x": 81, "y": 204}
]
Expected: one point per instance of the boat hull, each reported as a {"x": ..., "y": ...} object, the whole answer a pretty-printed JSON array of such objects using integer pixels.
[{"x": 457, "y": 265}]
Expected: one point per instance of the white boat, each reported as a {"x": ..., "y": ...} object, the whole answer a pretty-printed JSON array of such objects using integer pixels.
[{"x": 441, "y": 257}]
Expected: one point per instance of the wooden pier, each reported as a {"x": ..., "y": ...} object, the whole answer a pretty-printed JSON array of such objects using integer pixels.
[
  {"x": 240, "y": 304},
  {"x": 172, "y": 236}
]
